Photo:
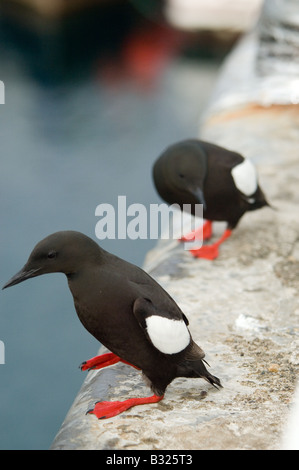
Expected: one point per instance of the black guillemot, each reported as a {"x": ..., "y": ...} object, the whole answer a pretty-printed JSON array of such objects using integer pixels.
[
  {"x": 126, "y": 310},
  {"x": 224, "y": 182}
]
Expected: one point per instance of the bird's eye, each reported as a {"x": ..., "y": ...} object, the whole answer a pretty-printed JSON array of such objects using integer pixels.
[
  {"x": 181, "y": 175},
  {"x": 52, "y": 254}
]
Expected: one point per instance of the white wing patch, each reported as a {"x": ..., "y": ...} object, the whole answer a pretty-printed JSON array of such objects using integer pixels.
[
  {"x": 245, "y": 177},
  {"x": 169, "y": 336}
]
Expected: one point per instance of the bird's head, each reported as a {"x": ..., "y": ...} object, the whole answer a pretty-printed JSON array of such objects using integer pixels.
[
  {"x": 65, "y": 252},
  {"x": 182, "y": 167}
]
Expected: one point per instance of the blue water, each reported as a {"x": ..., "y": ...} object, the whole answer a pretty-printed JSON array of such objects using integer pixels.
[{"x": 67, "y": 146}]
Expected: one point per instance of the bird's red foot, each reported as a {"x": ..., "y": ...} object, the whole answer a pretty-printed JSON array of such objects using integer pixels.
[
  {"x": 202, "y": 233},
  {"x": 104, "y": 360},
  {"x": 207, "y": 251},
  {"x": 108, "y": 409},
  {"x": 211, "y": 251},
  {"x": 98, "y": 362}
]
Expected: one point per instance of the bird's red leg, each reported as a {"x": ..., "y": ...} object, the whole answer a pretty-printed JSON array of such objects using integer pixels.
[
  {"x": 99, "y": 362},
  {"x": 108, "y": 409},
  {"x": 104, "y": 360},
  {"x": 204, "y": 233},
  {"x": 211, "y": 251}
]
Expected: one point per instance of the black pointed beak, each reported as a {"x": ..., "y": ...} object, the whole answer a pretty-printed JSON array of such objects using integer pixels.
[
  {"x": 198, "y": 193},
  {"x": 21, "y": 276}
]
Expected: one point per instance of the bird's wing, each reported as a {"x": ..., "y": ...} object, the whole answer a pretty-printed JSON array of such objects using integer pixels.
[
  {"x": 166, "y": 329},
  {"x": 194, "y": 353}
]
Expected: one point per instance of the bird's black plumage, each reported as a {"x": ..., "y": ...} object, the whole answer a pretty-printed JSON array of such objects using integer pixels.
[{"x": 122, "y": 307}]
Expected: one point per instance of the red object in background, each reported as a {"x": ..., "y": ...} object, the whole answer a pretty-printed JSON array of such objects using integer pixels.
[
  {"x": 144, "y": 54},
  {"x": 148, "y": 50}
]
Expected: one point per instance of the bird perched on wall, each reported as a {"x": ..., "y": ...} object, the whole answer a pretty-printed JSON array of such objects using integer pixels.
[
  {"x": 123, "y": 308},
  {"x": 224, "y": 182}
]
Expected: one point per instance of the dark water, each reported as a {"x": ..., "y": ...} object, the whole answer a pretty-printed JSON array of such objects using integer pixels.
[{"x": 73, "y": 134}]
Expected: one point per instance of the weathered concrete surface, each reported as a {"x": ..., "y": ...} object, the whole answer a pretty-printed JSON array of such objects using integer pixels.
[
  {"x": 290, "y": 440},
  {"x": 243, "y": 310}
]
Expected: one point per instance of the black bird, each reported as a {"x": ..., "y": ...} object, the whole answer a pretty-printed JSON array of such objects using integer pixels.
[
  {"x": 123, "y": 308},
  {"x": 224, "y": 182}
]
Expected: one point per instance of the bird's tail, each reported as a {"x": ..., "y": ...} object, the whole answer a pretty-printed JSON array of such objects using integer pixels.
[{"x": 198, "y": 369}]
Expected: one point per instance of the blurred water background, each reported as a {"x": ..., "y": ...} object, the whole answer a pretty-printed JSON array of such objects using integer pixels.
[{"x": 90, "y": 103}]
